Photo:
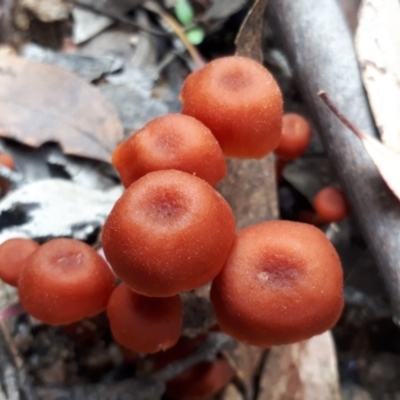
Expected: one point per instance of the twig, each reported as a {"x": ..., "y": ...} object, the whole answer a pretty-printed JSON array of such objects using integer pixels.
[{"x": 325, "y": 98}]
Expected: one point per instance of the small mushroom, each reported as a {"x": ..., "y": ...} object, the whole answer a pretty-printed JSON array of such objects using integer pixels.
[
  {"x": 240, "y": 102},
  {"x": 173, "y": 141},
  {"x": 144, "y": 324},
  {"x": 64, "y": 281},
  {"x": 296, "y": 135},
  {"x": 170, "y": 231},
  {"x": 331, "y": 205},
  {"x": 13, "y": 255},
  {"x": 282, "y": 283}
]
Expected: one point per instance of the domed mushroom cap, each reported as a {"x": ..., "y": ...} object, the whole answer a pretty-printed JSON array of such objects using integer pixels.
[
  {"x": 240, "y": 102},
  {"x": 144, "y": 324},
  {"x": 282, "y": 283},
  {"x": 64, "y": 281},
  {"x": 173, "y": 141},
  {"x": 170, "y": 231}
]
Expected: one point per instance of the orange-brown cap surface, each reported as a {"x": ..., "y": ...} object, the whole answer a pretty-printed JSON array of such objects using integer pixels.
[
  {"x": 144, "y": 324},
  {"x": 170, "y": 231},
  {"x": 282, "y": 283},
  {"x": 13, "y": 255},
  {"x": 330, "y": 204},
  {"x": 173, "y": 141},
  {"x": 240, "y": 102},
  {"x": 64, "y": 281},
  {"x": 296, "y": 135}
]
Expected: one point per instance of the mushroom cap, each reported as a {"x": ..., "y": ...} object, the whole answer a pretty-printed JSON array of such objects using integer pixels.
[
  {"x": 282, "y": 283},
  {"x": 173, "y": 141},
  {"x": 240, "y": 102},
  {"x": 330, "y": 204},
  {"x": 144, "y": 324},
  {"x": 296, "y": 135},
  {"x": 64, "y": 281},
  {"x": 13, "y": 255},
  {"x": 170, "y": 231}
]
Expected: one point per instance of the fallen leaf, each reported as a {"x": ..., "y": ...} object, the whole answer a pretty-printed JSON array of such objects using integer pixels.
[
  {"x": 41, "y": 103},
  {"x": 46, "y": 10},
  {"x": 249, "y": 39},
  {"x": 377, "y": 45},
  {"x": 88, "y": 68}
]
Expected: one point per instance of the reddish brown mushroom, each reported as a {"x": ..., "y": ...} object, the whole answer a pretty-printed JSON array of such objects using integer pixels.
[
  {"x": 13, "y": 256},
  {"x": 64, "y": 281},
  {"x": 296, "y": 135},
  {"x": 173, "y": 141},
  {"x": 331, "y": 205},
  {"x": 240, "y": 102},
  {"x": 202, "y": 380},
  {"x": 282, "y": 283},
  {"x": 144, "y": 324},
  {"x": 170, "y": 231}
]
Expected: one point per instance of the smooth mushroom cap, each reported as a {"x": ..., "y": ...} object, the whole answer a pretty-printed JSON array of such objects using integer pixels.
[
  {"x": 282, "y": 283},
  {"x": 144, "y": 324},
  {"x": 64, "y": 281},
  {"x": 170, "y": 231},
  {"x": 240, "y": 102},
  {"x": 13, "y": 255},
  {"x": 331, "y": 205},
  {"x": 173, "y": 141},
  {"x": 296, "y": 135}
]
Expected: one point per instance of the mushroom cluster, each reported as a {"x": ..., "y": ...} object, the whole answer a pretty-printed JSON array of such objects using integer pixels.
[{"x": 272, "y": 283}]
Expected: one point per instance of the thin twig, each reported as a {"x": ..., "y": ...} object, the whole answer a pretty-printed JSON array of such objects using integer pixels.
[{"x": 328, "y": 102}]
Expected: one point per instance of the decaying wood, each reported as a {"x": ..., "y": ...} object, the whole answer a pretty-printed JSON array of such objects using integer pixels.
[
  {"x": 301, "y": 371},
  {"x": 305, "y": 28}
]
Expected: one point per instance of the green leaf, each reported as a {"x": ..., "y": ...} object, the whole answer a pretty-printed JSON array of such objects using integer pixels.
[
  {"x": 195, "y": 35},
  {"x": 184, "y": 12}
]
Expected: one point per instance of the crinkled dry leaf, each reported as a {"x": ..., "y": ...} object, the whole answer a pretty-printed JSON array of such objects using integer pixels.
[
  {"x": 41, "y": 103},
  {"x": 378, "y": 48},
  {"x": 46, "y": 10},
  {"x": 303, "y": 371}
]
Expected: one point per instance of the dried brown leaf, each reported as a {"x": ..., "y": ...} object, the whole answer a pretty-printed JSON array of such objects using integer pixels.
[
  {"x": 378, "y": 44},
  {"x": 249, "y": 39},
  {"x": 41, "y": 103}
]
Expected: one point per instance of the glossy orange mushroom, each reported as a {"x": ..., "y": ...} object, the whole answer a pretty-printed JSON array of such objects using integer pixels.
[
  {"x": 170, "y": 231},
  {"x": 144, "y": 324},
  {"x": 173, "y": 141},
  {"x": 296, "y": 135},
  {"x": 282, "y": 283},
  {"x": 13, "y": 256},
  {"x": 331, "y": 205},
  {"x": 240, "y": 102},
  {"x": 64, "y": 281}
]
